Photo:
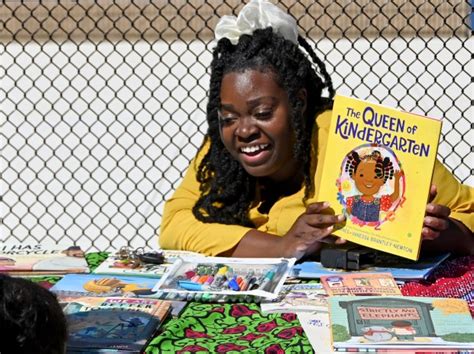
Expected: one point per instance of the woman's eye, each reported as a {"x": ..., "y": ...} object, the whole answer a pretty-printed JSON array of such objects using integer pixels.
[{"x": 263, "y": 115}]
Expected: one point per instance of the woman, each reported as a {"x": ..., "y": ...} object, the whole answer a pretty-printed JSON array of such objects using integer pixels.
[{"x": 248, "y": 191}]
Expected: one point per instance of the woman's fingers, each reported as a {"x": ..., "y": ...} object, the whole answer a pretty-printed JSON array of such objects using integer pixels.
[{"x": 323, "y": 219}]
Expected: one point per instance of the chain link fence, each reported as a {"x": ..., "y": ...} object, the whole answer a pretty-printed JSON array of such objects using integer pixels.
[{"x": 103, "y": 102}]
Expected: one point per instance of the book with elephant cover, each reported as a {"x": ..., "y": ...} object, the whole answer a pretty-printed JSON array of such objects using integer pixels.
[
  {"x": 400, "y": 322},
  {"x": 377, "y": 171}
]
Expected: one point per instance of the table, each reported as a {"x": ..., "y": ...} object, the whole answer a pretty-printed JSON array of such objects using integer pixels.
[{"x": 241, "y": 327}]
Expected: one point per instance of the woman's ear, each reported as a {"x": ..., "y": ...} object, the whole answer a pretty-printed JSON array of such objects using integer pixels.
[{"x": 302, "y": 96}]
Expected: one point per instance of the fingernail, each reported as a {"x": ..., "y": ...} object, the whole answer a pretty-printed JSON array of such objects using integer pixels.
[
  {"x": 341, "y": 217},
  {"x": 326, "y": 205}
]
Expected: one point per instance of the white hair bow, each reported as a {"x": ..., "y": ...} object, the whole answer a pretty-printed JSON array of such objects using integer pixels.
[{"x": 257, "y": 14}]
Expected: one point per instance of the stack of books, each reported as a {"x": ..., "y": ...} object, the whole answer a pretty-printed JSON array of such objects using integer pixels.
[{"x": 367, "y": 312}]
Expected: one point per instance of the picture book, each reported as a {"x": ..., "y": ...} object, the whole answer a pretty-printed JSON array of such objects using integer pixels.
[
  {"x": 377, "y": 171},
  {"x": 105, "y": 285},
  {"x": 317, "y": 327},
  {"x": 392, "y": 322},
  {"x": 112, "y": 323},
  {"x": 401, "y": 268},
  {"x": 262, "y": 277},
  {"x": 298, "y": 298},
  {"x": 360, "y": 284},
  {"x": 37, "y": 259},
  {"x": 114, "y": 264}
]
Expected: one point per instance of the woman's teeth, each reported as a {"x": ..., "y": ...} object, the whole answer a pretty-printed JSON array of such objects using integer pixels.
[{"x": 252, "y": 149}]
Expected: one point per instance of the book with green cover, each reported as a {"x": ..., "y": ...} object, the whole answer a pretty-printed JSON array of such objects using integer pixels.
[{"x": 394, "y": 322}]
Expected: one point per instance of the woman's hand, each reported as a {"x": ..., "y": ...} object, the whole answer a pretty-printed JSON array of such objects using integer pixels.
[
  {"x": 436, "y": 220},
  {"x": 309, "y": 231}
]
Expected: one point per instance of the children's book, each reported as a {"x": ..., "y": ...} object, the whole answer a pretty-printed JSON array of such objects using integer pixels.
[
  {"x": 401, "y": 268},
  {"x": 298, "y": 298},
  {"x": 377, "y": 171},
  {"x": 214, "y": 276},
  {"x": 105, "y": 285},
  {"x": 317, "y": 327},
  {"x": 112, "y": 323},
  {"x": 36, "y": 259},
  {"x": 393, "y": 322},
  {"x": 114, "y": 264},
  {"x": 360, "y": 284}
]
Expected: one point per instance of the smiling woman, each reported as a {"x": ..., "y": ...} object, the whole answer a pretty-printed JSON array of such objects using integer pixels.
[{"x": 248, "y": 191}]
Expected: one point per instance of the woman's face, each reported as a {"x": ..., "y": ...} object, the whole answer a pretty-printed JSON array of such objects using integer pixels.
[
  {"x": 254, "y": 124},
  {"x": 365, "y": 178}
]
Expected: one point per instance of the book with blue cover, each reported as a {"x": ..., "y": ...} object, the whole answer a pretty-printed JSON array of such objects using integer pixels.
[
  {"x": 400, "y": 269},
  {"x": 105, "y": 285},
  {"x": 120, "y": 324}
]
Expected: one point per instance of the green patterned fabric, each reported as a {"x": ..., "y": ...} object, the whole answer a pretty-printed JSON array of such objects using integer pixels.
[{"x": 230, "y": 328}]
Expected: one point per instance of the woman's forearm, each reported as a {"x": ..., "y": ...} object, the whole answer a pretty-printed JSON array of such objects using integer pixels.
[{"x": 256, "y": 243}]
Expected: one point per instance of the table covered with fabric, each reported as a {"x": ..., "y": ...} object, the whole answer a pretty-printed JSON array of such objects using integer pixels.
[{"x": 241, "y": 327}]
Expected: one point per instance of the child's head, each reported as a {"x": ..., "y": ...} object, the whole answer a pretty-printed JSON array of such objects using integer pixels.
[
  {"x": 369, "y": 172},
  {"x": 31, "y": 319}
]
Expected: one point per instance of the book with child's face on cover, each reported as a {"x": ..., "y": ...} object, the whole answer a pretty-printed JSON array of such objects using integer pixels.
[
  {"x": 376, "y": 170},
  {"x": 26, "y": 259},
  {"x": 112, "y": 323}
]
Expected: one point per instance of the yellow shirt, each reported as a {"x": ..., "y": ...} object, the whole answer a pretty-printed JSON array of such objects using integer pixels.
[{"x": 180, "y": 230}]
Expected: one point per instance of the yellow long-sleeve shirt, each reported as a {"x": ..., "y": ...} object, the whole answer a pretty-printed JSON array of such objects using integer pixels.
[{"x": 180, "y": 230}]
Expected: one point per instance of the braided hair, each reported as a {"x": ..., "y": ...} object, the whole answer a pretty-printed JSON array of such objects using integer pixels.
[
  {"x": 383, "y": 167},
  {"x": 227, "y": 190}
]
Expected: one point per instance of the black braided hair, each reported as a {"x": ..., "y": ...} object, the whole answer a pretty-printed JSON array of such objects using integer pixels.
[
  {"x": 227, "y": 190},
  {"x": 383, "y": 167}
]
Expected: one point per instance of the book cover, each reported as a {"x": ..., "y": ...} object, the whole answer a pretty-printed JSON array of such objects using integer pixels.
[
  {"x": 298, "y": 298},
  {"x": 112, "y": 322},
  {"x": 377, "y": 171},
  {"x": 317, "y": 327},
  {"x": 401, "y": 268},
  {"x": 105, "y": 285},
  {"x": 360, "y": 284},
  {"x": 29, "y": 259},
  {"x": 400, "y": 322},
  {"x": 116, "y": 265}
]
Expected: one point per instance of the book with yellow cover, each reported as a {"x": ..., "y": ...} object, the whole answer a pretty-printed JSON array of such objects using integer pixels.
[{"x": 377, "y": 171}]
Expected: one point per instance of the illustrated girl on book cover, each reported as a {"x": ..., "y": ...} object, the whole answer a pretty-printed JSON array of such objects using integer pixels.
[{"x": 371, "y": 185}]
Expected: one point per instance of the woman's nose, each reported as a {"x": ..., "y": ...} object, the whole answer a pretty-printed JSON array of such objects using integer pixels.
[{"x": 246, "y": 128}]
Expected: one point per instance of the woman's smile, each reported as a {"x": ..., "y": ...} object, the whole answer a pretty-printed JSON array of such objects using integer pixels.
[{"x": 255, "y": 126}]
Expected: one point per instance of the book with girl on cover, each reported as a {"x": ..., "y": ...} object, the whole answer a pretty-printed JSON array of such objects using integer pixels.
[{"x": 377, "y": 171}]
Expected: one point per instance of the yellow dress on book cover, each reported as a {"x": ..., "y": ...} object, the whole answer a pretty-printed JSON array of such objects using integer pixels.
[{"x": 377, "y": 172}]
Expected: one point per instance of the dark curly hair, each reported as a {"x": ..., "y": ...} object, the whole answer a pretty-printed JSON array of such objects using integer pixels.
[
  {"x": 383, "y": 166},
  {"x": 31, "y": 318},
  {"x": 227, "y": 190}
]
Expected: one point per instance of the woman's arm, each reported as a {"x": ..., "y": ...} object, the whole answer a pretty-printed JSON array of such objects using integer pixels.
[
  {"x": 305, "y": 237},
  {"x": 180, "y": 230},
  {"x": 449, "y": 219}
]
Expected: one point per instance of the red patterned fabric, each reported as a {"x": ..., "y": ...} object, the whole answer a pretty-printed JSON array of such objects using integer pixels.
[{"x": 454, "y": 278}]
